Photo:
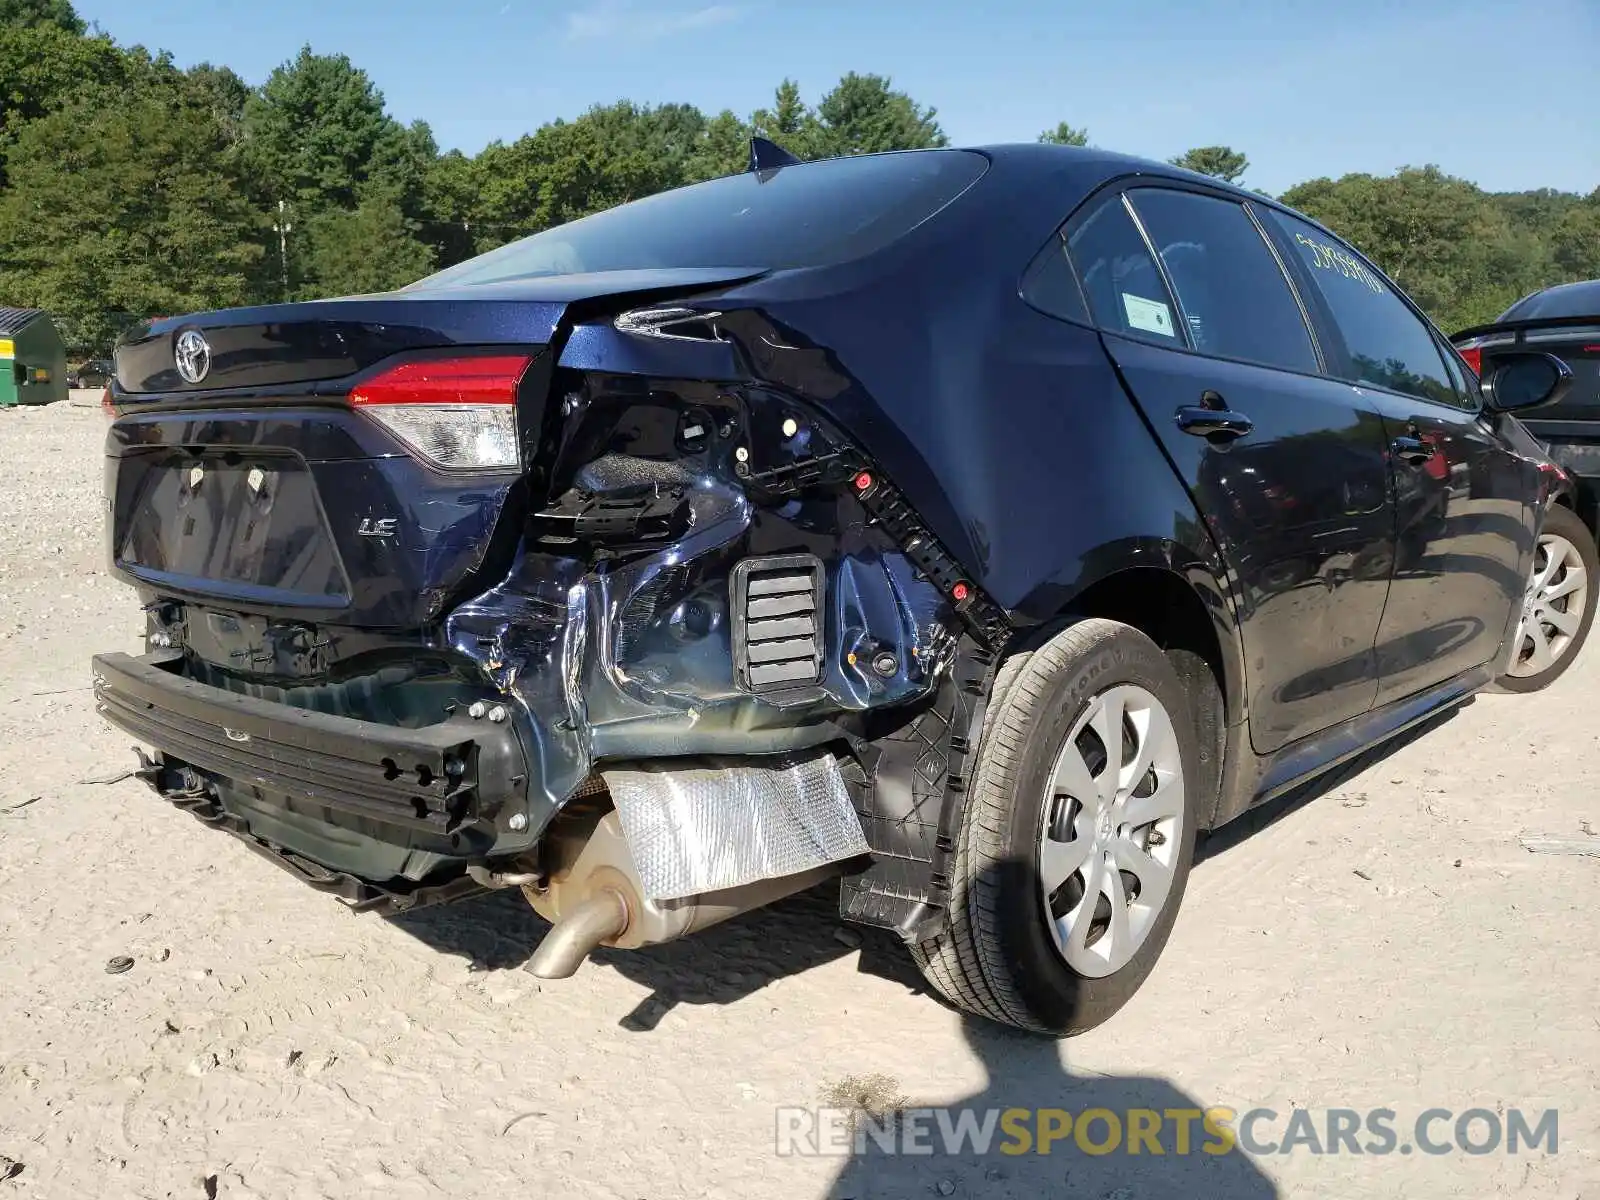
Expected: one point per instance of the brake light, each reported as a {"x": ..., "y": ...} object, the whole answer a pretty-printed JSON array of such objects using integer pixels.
[
  {"x": 457, "y": 413},
  {"x": 106, "y": 406},
  {"x": 1473, "y": 353}
]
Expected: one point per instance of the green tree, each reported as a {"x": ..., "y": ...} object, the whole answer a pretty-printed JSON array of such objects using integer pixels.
[
  {"x": 43, "y": 67},
  {"x": 1439, "y": 237},
  {"x": 864, "y": 115},
  {"x": 223, "y": 94},
  {"x": 1537, "y": 211},
  {"x": 1575, "y": 242},
  {"x": 724, "y": 148},
  {"x": 120, "y": 212},
  {"x": 314, "y": 128},
  {"x": 789, "y": 123},
  {"x": 30, "y": 14},
  {"x": 402, "y": 158},
  {"x": 608, "y": 156},
  {"x": 1220, "y": 162},
  {"x": 373, "y": 248},
  {"x": 788, "y": 115},
  {"x": 1065, "y": 135},
  {"x": 451, "y": 201}
]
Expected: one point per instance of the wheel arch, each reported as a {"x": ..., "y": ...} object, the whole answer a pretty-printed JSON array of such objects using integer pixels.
[{"x": 1176, "y": 599}]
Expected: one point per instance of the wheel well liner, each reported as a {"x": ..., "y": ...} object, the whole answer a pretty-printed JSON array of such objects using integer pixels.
[{"x": 1166, "y": 608}]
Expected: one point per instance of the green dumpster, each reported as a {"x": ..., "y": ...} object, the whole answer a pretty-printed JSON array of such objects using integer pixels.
[{"x": 33, "y": 360}]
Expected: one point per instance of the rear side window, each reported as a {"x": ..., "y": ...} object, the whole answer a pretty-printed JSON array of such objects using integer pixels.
[
  {"x": 1048, "y": 284},
  {"x": 1233, "y": 294},
  {"x": 811, "y": 214},
  {"x": 1388, "y": 345},
  {"x": 1123, "y": 285}
]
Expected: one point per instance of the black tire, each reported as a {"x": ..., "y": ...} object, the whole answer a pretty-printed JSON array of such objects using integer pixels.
[
  {"x": 996, "y": 957},
  {"x": 1565, "y": 523}
]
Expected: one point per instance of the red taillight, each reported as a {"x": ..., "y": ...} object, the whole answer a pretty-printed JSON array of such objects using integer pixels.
[
  {"x": 491, "y": 379},
  {"x": 458, "y": 413},
  {"x": 106, "y": 406},
  {"x": 1474, "y": 357}
]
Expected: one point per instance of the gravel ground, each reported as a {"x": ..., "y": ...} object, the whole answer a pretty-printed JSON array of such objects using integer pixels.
[{"x": 1387, "y": 944}]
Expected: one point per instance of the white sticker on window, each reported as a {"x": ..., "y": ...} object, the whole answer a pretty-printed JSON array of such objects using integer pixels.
[{"x": 1150, "y": 315}]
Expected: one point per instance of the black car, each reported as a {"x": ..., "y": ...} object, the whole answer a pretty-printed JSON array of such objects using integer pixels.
[
  {"x": 95, "y": 373},
  {"x": 974, "y": 527},
  {"x": 1563, "y": 321}
]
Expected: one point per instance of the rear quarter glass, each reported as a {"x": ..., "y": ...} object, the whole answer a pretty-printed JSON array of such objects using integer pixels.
[
  {"x": 811, "y": 214},
  {"x": 1124, "y": 287}
]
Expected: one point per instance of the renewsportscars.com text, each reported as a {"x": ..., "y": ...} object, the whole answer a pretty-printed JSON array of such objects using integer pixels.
[{"x": 1176, "y": 1131}]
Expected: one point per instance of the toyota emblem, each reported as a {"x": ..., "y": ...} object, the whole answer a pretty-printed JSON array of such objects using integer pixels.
[{"x": 193, "y": 355}]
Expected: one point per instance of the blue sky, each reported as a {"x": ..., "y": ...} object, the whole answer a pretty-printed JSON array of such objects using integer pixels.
[{"x": 1503, "y": 93}]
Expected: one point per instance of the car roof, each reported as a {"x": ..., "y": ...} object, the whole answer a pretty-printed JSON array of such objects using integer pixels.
[
  {"x": 1580, "y": 299},
  {"x": 1093, "y": 161},
  {"x": 1093, "y": 167}
]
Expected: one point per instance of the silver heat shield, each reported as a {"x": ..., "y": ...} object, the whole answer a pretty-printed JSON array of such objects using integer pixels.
[{"x": 719, "y": 824}]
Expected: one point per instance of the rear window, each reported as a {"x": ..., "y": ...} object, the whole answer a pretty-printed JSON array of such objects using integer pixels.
[
  {"x": 1566, "y": 300},
  {"x": 801, "y": 216},
  {"x": 1235, "y": 299}
]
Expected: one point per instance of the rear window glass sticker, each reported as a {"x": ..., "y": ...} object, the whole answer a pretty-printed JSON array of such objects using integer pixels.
[{"x": 1150, "y": 315}]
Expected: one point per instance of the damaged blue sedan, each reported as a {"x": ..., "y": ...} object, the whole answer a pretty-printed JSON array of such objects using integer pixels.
[{"x": 971, "y": 528}]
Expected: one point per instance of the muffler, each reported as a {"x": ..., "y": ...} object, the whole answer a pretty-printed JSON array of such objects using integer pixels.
[{"x": 594, "y": 898}]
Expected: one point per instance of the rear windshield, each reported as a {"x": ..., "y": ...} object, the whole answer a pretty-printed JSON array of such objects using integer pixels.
[
  {"x": 1567, "y": 300},
  {"x": 801, "y": 216}
]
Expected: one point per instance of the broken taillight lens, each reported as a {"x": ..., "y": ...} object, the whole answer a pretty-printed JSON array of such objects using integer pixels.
[{"x": 456, "y": 413}]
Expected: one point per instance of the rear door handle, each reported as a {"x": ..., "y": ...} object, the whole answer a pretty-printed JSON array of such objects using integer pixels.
[
  {"x": 1412, "y": 450},
  {"x": 1222, "y": 424}
]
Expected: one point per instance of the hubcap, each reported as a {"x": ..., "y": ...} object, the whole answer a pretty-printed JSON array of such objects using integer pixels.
[
  {"x": 1113, "y": 823},
  {"x": 1552, "y": 607}
]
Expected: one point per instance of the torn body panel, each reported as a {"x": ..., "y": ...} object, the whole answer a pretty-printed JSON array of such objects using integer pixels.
[
  {"x": 620, "y": 637},
  {"x": 686, "y": 569}
]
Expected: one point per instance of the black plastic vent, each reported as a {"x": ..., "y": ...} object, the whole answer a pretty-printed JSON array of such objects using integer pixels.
[{"x": 777, "y": 622}]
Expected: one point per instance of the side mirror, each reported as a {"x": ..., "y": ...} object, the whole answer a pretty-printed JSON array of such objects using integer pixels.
[{"x": 1526, "y": 380}]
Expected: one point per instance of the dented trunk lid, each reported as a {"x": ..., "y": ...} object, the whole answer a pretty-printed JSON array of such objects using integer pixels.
[
  {"x": 274, "y": 345},
  {"x": 257, "y": 489}
]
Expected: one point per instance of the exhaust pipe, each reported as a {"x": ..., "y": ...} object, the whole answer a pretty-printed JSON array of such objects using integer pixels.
[
  {"x": 603, "y": 916},
  {"x": 594, "y": 898}
]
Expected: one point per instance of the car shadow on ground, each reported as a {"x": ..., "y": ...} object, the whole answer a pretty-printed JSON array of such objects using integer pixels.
[
  {"x": 905, "y": 1155},
  {"x": 738, "y": 961},
  {"x": 734, "y": 960},
  {"x": 1085, "y": 1150},
  {"x": 722, "y": 965}
]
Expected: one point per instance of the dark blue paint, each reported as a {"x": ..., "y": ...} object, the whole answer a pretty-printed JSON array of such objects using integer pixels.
[{"x": 1044, "y": 458}]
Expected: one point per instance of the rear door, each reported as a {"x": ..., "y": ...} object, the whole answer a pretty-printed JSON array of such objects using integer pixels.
[
  {"x": 1286, "y": 466},
  {"x": 1465, "y": 519}
]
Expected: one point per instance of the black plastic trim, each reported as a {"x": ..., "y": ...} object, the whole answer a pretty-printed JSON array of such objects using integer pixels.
[
  {"x": 439, "y": 779},
  {"x": 360, "y": 894},
  {"x": 739, "y": 597},
  {"x": 912, "y": 804}
]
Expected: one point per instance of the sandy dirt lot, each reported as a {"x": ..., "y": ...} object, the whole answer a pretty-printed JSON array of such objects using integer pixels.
[{"x": 1387, "y": 944}]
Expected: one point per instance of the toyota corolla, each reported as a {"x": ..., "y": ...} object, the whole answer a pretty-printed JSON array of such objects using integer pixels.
[{"x": 971, "y": 528}]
